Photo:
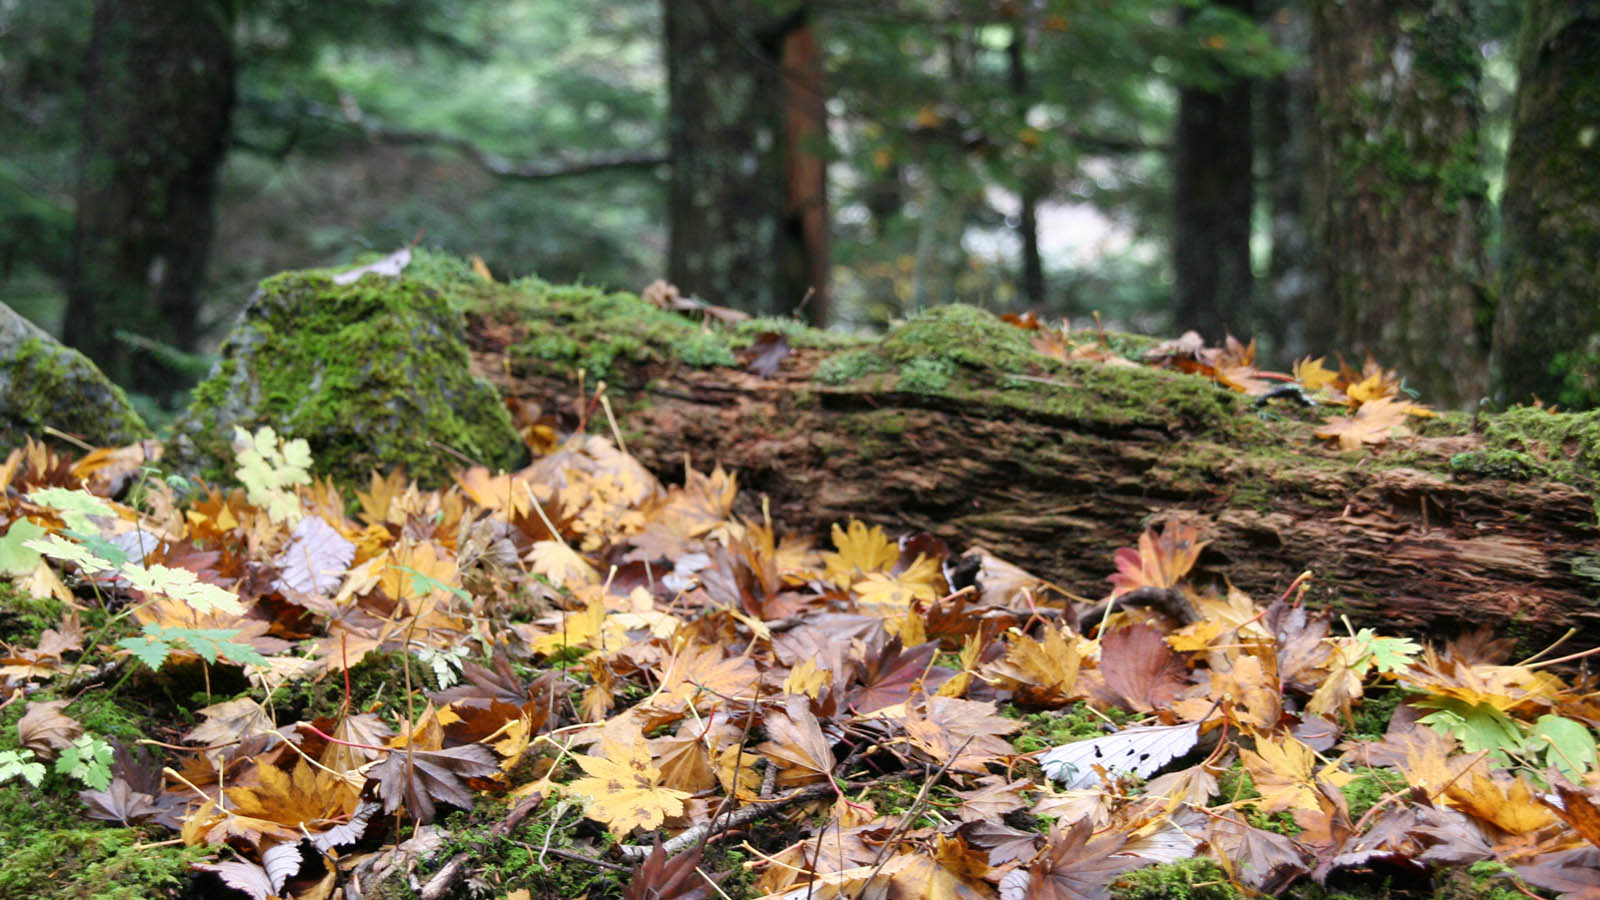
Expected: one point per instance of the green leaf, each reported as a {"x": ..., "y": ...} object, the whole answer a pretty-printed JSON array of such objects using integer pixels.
[
  {"x": 17, "y": 762},
  {"x": 99, "y": 546},
  {"x": 268, "y": 467},
  {"x": 422, "y": 585},
  {"x": 1478, "y": 726},
  {"x": 182, "y": 585},
  {"x": 150, "y": 652},
  {"x": 1387, "y": 654},
  {"x": 88, "y": 760},
  {"x": 210, "y": 643},
  {"x": 78, "y": 509},
  {"x": 57, "y": 547},
  {"x": 16, "y": 559},
  {"x": 1568, "y": 745}
]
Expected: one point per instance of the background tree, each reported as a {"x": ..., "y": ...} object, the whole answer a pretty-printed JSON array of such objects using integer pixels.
[
  {"x": 158, "y": 89},
  {"x": 1213, "y": 193},
  {"x": 1547, "y": 330},
  {"x": 1402, "y": 189},
  {"x": 1285, "y": 123},
  {"x": 744, "y": 131}
]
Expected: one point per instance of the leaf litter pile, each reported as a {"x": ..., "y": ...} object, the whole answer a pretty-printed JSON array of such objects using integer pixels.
[{"x": 630, "y": 680}]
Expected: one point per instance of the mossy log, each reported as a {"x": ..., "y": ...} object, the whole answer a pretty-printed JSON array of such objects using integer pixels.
[{"x": 953, "y": 425}]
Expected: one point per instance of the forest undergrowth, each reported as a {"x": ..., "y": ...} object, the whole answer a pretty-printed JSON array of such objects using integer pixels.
[{"x": 575, "y": 680}]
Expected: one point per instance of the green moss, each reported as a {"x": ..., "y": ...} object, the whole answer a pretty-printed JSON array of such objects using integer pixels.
[
  {"x": 847, "y": 366},
  {"x": 1369, "y": 786},
  {"x": 1235, "y": 785},
  {"x": 580, "y": 327},
  {"x": 46, "y": 859},
  {"x": 1196, "y": 878},
  {"x": 45, "y": 384},
  {"x": 799, "y": 334},
  {"x": 1372, "y": 716},
  {"x": 24, "y": 617},
  {"x": 1564, "y": 446},
  {"x": 511, "y": 861},
  {"x": 925, "y": 376},
  {"x": 1052, "y": 728},
  {"x": 961, "y": 335},
  {"x": 51, "y": 851},
  {"x": 373, "y": 374},
  {"x": 703, "y": 349},
  {"x": 378, "y": 678},
  {"x": 1483, "y": 880},
  {"x": 1510, "y": 465}
]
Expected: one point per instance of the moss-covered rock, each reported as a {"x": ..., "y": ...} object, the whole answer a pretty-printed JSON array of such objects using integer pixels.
[
  {"x": 43, "y": 383},
  {"x": 373, "y": 374}
]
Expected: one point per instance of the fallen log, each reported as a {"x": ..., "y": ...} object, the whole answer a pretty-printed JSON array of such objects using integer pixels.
[{"x": 954, "y": 425}]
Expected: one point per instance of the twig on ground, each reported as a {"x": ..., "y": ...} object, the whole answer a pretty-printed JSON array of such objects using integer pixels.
[{"x": 742, "y": 816}]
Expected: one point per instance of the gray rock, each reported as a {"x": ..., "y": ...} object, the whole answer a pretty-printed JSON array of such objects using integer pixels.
[
  {"x": 372, "y": 374},
  {"x": 43, "y": 383}
]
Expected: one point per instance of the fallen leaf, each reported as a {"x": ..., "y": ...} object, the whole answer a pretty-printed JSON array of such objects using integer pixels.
[{"x": 420, "y": 779}]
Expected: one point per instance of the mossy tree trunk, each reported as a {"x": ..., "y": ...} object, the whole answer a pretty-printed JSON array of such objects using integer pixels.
[
  {"x": 745, "y": 199},
  {"x": 1402, "y": 192},
  {"x": 159, "y": 94},
  {"x": 1213, "y": 198},
  {"x": 1547, "y": 329}
]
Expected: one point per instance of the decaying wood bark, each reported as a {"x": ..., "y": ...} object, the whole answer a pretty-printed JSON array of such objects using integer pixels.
[{"x": 1394, "y": 536}]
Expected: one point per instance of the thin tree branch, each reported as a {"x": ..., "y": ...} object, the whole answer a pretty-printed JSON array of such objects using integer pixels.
[
  {"x": 741, "y": 816},
  {"x": 494, "y": 163}
]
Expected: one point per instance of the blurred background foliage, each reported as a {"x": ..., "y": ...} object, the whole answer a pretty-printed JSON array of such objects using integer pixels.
[{"x": 966, "y": 143}]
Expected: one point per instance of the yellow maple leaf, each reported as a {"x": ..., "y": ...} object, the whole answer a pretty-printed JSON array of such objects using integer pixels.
[
  {"x": 806, "y": 678},
  {"x": 623, "y": 788},
  {"x": 1313, "y": 375},
  {"x": 919, "y": 581},
  {"x": 561, "y": 564},
  {"x": 861, "y": 550},
  {"x": 1511, "y": 807},
  {"x": 577, "y": 629},
  {"x": 1374, "y": 423},
  {"x": 1285, "y": 772},
  {"x": 306, "y": 795}
]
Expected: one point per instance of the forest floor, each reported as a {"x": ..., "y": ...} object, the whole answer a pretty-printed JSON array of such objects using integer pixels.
[{"x": 577, "y": 680}]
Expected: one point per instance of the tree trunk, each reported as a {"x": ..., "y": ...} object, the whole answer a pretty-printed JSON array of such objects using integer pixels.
[
  {"x": 1547, "y": 330},
  {"x": 1401, "y": 228},
  {"x": 805, "y": 241},
  {"x": 1287, "y": 118},
  {"x": 1032, "y": 287},
  {"x": 1053, "y": 471},
  {"x": 746, "y": 209},
  {"x": 158, "y": 96},
  {"x": 1213, "y": 198}
]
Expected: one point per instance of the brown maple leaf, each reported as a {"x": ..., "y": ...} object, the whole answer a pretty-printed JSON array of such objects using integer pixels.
[
  {"x": 419, "y": 779},
  {"x": 1264, "y": 860},
  {"x": 966, "y": 735},
  {"x": 1074, "y": 866},
  {"x": 891, "y": 675},
  {"x": 795, "y": 743},
  {"x": 1579, "y": 807},
  {"x": 46, "y": 730},
  {"x": 1138, "y": 665},
  {"x": 663, "y": 877},
  {"x": 1572, "y": 874}
]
